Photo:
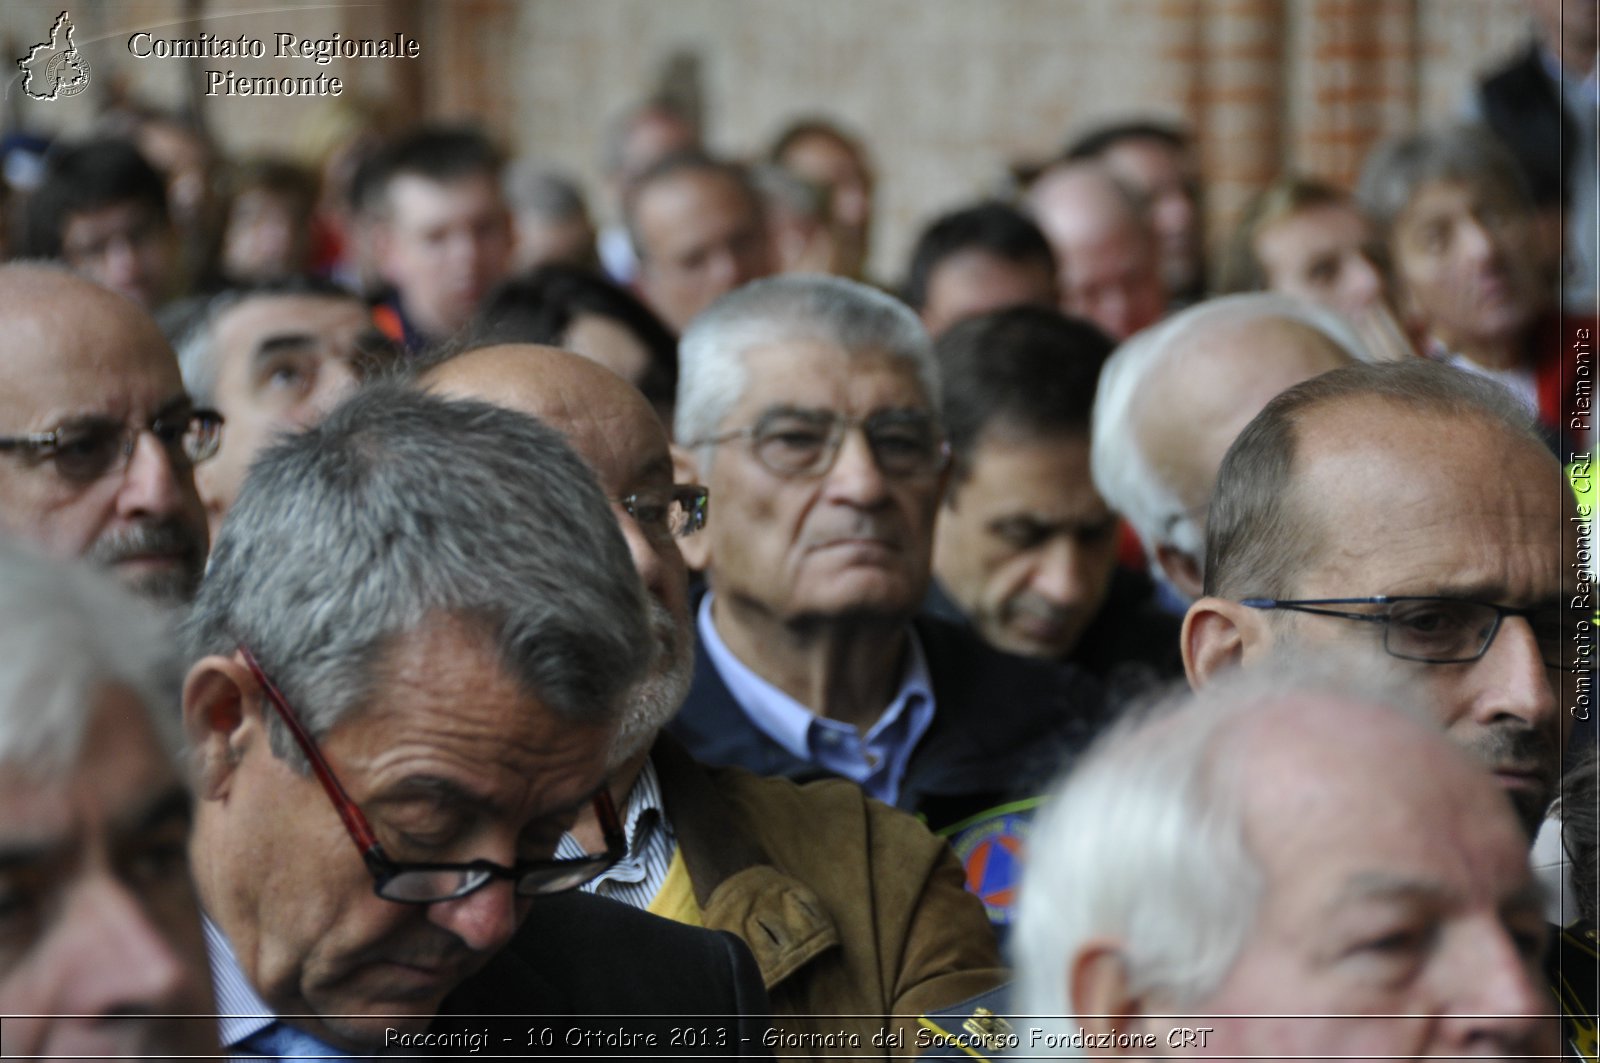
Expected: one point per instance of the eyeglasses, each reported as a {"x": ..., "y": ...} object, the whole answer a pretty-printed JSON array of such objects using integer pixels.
[
  {"x": 674, "y": 514},
  {"x": 429, "y": 883},
  {"x": 1448, "y": 630},
  {"x": 905, "y": 444},
  {"x": 85, "y": 451}
]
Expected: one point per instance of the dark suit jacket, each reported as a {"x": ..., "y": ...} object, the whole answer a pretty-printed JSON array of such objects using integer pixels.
[
  {"x": 1002, "y": 726},
  {"x": 590, "y": 976}
]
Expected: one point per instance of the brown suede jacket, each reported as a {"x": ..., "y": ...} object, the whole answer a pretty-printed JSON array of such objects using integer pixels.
[{"x": 857, "y": 915}]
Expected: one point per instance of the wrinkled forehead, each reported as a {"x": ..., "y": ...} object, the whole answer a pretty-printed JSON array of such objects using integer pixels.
[{"x": 820, "y": 374}]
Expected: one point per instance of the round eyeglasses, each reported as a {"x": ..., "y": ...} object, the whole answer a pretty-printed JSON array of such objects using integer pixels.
[
  {"x": 430, "y": 883},
  {"x": 905, "y": 444}
]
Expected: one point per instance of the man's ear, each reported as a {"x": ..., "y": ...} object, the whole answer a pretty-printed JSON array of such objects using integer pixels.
[
  {"x": 1104, "y": 1003},
  {"x": 696, "y": 549},
  {"x": 1219, "y": 633},
  {"x": 221, "y": 716}
]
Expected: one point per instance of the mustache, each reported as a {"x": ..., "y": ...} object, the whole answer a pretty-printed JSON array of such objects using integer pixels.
[
  {"x": 166, "y": 538},
  {"x": 862, "y": 526},
  {"x": 1521, "y": 747}
]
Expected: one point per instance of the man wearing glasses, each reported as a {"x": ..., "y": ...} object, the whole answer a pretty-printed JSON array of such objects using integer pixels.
[
  {"x": 411, "y": 649},
  {"x": 98, "y": 439},
  {"x": 856, "y": 914},
  {"x": 1414, "y": 513},
  {"x": 807, "y": 406}
]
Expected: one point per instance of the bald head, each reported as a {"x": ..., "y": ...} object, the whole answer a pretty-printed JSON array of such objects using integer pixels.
[
  {"x": 1110, "y": 269},
  {"x": 616, "y": 431},
  {"x": 84, "y": 362}
]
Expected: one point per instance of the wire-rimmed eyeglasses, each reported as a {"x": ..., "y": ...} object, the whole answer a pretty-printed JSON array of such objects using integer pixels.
[
  {"x": 429, "y": 883},
  {"x": 1446, "y": 630}
]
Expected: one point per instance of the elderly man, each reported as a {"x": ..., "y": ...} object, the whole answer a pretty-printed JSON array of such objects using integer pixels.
[
  {"x": 1106, "y": 252},
  {"x": 98, "y": 439},
  {"x": 809, "y": 406},
  {"x": 977, "y": 259},
  {"x": 1025, "y": 548},
  {"x": 1279, "y": 869},
  {"x": 271, "y": 358},
  {"x": 700, "y": 231},
  {"x": 101, "y": 953},
  {"x": 410, "y": 651},
  {"x": 818, "y": 868},
  {"x": 1171, "y": 400},
  {"x": 445, "y": 236}
]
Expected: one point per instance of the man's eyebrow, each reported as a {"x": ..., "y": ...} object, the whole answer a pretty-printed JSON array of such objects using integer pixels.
[
  {"x": 441, "y": 790},
  {"x": 278, "y": 342},
  {"x": 656, "y": 467},
  {"x": 1384, "y": 886},
  {"x": 15, "y": 857}
]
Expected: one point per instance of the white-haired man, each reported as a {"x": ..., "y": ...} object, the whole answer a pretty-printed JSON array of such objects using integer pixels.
[
  {"x": 100, "y": 945},
  {"x": 1277, "y": 869},
  {"x": 1171, "y": 400},
  {"x": 808, "y": 405}
]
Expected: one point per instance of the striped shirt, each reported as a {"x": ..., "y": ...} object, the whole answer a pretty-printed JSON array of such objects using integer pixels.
[{"x": 637, "y": 877}]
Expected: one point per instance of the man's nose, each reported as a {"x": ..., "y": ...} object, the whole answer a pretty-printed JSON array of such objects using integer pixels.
[
  {"x": 855, "y": 477},
  {"x": 116, "y": 958},
  {"x": 484, "y": 920},
  {"x": 1497, "y": 1003},
  {"x": 1512, "y": 680},
  {"x": 1060, "y": 577},
  {"x": 155, "y": 482}
]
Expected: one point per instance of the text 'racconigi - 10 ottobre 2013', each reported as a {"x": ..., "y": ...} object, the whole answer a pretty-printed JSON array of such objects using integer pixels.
[{"x": 284, "y": 46}]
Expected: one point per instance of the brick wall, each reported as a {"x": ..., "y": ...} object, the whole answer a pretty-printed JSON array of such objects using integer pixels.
[{"x": 948, "y": 92}]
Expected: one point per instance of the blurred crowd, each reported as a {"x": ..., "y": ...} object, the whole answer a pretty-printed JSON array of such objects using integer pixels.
[{"x": 682, "y": 621}]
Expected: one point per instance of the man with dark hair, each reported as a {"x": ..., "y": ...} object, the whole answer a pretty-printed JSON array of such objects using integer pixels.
[
  {"x": 823, "y": 154},
  {"x": 272, "y": 358},
  {"x": 444, "y": 239},
  {"x": 1156, "y": 159},
  {"x": 102, "y": 209},
  {"x": 699, "y": 230},
  {"x": 977, "y": 259},
  {"x": 573, "y": 308},
  {"x": 1025, "y": 546}
]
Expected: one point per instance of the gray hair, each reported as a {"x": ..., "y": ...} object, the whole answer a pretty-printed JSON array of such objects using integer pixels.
[
  {"x": 712, "y": 375},
  {"x": 1123, "y": 473},
  {"x": 400, "y": 506},
  {"x": 1398, "y": 167},
  {"x": 533, "y": 187},
  {"x": 1144, "y": 841},
  {"x": 1258, "y": 535},
  {"x": 65, "y": 632}
]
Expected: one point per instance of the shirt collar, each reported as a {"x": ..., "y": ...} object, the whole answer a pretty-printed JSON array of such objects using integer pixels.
[
  {"x": 240, "y": 1010},
  {"x": 643, "y": 817},
  {"x": 800, "y": 731}
]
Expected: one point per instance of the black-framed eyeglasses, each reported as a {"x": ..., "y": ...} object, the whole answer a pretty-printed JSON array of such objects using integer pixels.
[
  {"x": 429, "y": 883},
  {"x": 676, "y": 513},
  {"x": 1447, "y": 630},
  {"x": 85, "y": 451},
  {"x": 905, "y": 444}
]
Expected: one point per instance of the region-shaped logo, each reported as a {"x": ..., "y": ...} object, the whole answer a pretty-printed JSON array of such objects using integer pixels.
[{"x": 55, "y": 69}]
